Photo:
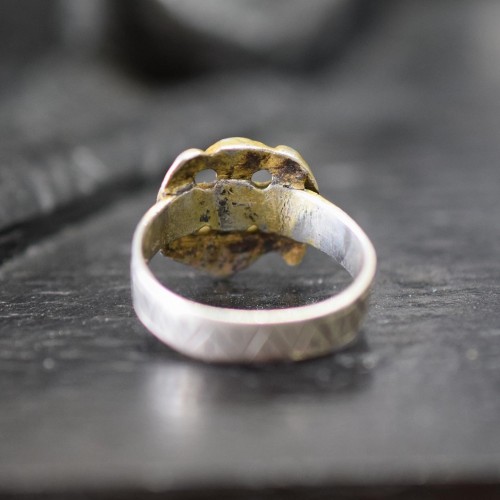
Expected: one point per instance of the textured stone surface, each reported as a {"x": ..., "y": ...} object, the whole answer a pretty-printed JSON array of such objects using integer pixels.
[{"x": 404, "y": 136}]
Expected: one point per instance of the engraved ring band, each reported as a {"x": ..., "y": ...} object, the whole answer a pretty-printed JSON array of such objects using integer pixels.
[{"x": 222, "y": 226}]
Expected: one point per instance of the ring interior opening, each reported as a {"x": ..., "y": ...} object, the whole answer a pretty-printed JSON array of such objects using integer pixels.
[
  {"x": 268, "y": 284},
  {"x": 300, "y": 215}
]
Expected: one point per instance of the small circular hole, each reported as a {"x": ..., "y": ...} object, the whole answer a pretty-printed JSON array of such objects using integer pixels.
[
  {"x": 262, "y": 178},
  {"x": 205, "y": 176}
]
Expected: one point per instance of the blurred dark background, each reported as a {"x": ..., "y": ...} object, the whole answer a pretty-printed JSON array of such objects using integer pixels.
[
  {"x": 394, "y": 104},
  {"x": 100, "y": 95}
]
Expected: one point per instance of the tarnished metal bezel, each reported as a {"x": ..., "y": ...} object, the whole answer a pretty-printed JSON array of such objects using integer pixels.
[
  {"x": 238, "y": 158},
  {"x": 212, "y": 248}
]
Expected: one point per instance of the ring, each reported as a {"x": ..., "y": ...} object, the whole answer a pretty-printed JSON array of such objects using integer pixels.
[{"x": 221, "y": 226}]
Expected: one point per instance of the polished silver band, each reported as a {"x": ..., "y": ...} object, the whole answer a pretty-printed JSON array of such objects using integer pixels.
[{"x": 231, "y": 335}]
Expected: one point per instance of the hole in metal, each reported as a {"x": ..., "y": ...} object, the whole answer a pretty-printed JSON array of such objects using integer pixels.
[
  {"x": 262, "y": 178},
  {"x": 206, "y": 176}
]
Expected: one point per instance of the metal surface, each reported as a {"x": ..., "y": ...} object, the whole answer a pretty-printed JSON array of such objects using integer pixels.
[
  {"x": 233, "y": 204},
  {"x": 224, "y": 225}
]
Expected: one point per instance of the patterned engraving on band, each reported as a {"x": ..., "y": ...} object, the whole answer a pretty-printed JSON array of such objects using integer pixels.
[
  {"x": 225, "y": 342},
  {"x": 223, "y": 335}
]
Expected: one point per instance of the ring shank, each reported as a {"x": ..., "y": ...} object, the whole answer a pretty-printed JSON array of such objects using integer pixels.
[{"x": 219, "y": 334}]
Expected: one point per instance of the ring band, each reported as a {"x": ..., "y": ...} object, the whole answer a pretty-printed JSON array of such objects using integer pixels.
[{"x": 222, "y": 226}]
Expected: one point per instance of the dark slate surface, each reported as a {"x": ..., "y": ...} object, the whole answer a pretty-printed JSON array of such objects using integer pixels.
[{"x": 405, "y": 137}]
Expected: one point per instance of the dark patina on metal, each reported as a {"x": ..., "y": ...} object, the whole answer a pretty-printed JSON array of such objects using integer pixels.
[{"x": 230, "y": 235}]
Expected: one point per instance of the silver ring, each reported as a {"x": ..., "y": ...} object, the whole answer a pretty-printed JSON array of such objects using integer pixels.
[{"x": 222, "y": 226}]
